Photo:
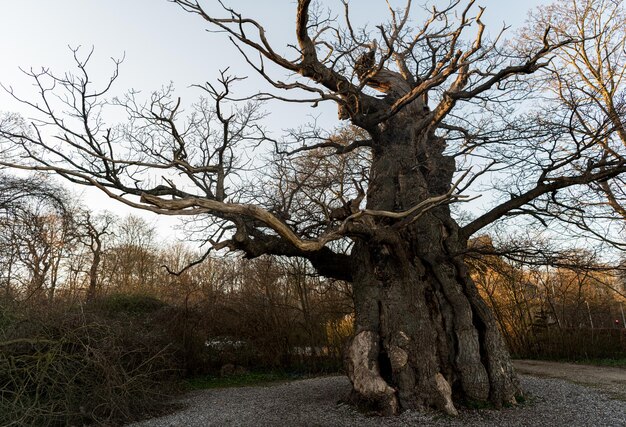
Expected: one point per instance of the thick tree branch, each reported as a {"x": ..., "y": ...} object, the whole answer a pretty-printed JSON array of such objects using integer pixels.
[
  {"x": 327, "y": 262},
  {"x": 541, "y": 189}
]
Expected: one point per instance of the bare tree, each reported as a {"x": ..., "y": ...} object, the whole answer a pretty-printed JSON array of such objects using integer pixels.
[
  {"x": 588, "y": 108},
  {"x": 424, "y": 337},
  {"x": 93, "y": 229},
  {"x": 36, "y": 230},
  {"x": 131, "y": 261}
]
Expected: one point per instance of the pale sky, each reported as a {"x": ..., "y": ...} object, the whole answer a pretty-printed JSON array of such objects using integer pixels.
[{"x": 161, "y": 43}]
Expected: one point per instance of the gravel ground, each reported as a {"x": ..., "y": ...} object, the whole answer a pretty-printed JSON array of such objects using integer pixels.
[
  {"x": 609, "y": 379},
  {"x": 314, "y": 402}
]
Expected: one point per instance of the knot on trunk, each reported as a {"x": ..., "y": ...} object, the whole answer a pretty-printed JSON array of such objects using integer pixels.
[
  {"x": 364, "y": 373},
  {"x": 445, "y": 393},
  {"x": 398, "y": 357}
]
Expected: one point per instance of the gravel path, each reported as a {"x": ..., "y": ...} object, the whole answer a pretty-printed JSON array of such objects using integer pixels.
[
  {"x": 611, "y": 380},
  {"x": 313, "y": 402}
]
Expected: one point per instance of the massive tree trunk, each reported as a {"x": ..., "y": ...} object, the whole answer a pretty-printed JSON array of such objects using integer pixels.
[{"x": 424, "y": 338}]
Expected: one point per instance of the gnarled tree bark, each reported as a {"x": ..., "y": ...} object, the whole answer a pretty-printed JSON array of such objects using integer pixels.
[{"x": 423, "y": 338}]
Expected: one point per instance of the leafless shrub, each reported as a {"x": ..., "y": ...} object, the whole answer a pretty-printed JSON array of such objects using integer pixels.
[{"x": 61, "y": 366}]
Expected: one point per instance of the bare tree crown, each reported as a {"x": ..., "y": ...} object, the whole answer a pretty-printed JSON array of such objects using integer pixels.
[{"x": 399, "y": 73}]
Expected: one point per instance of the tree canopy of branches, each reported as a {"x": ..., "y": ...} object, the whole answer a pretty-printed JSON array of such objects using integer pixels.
[
  {"x": 35, "y": 227},
  {"x": 431, "y": 106},
  {"x": 586, "y": 111}
]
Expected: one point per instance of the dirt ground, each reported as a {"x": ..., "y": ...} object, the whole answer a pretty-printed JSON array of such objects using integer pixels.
[{"x": 609, "y": 379}]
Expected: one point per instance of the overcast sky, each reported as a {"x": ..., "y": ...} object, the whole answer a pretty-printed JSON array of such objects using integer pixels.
[{"x": 161, "y": 43}]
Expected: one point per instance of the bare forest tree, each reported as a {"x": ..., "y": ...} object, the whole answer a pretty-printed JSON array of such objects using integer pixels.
[
  {"x": 131, "y": 261},
  {"x": 549, "y": 304},
  {"x": 36, "y": 232},
  {"x": 94, "y": 230},
  {"x": 431, "y": 109},
  {"x": 587, "y": 80}
]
